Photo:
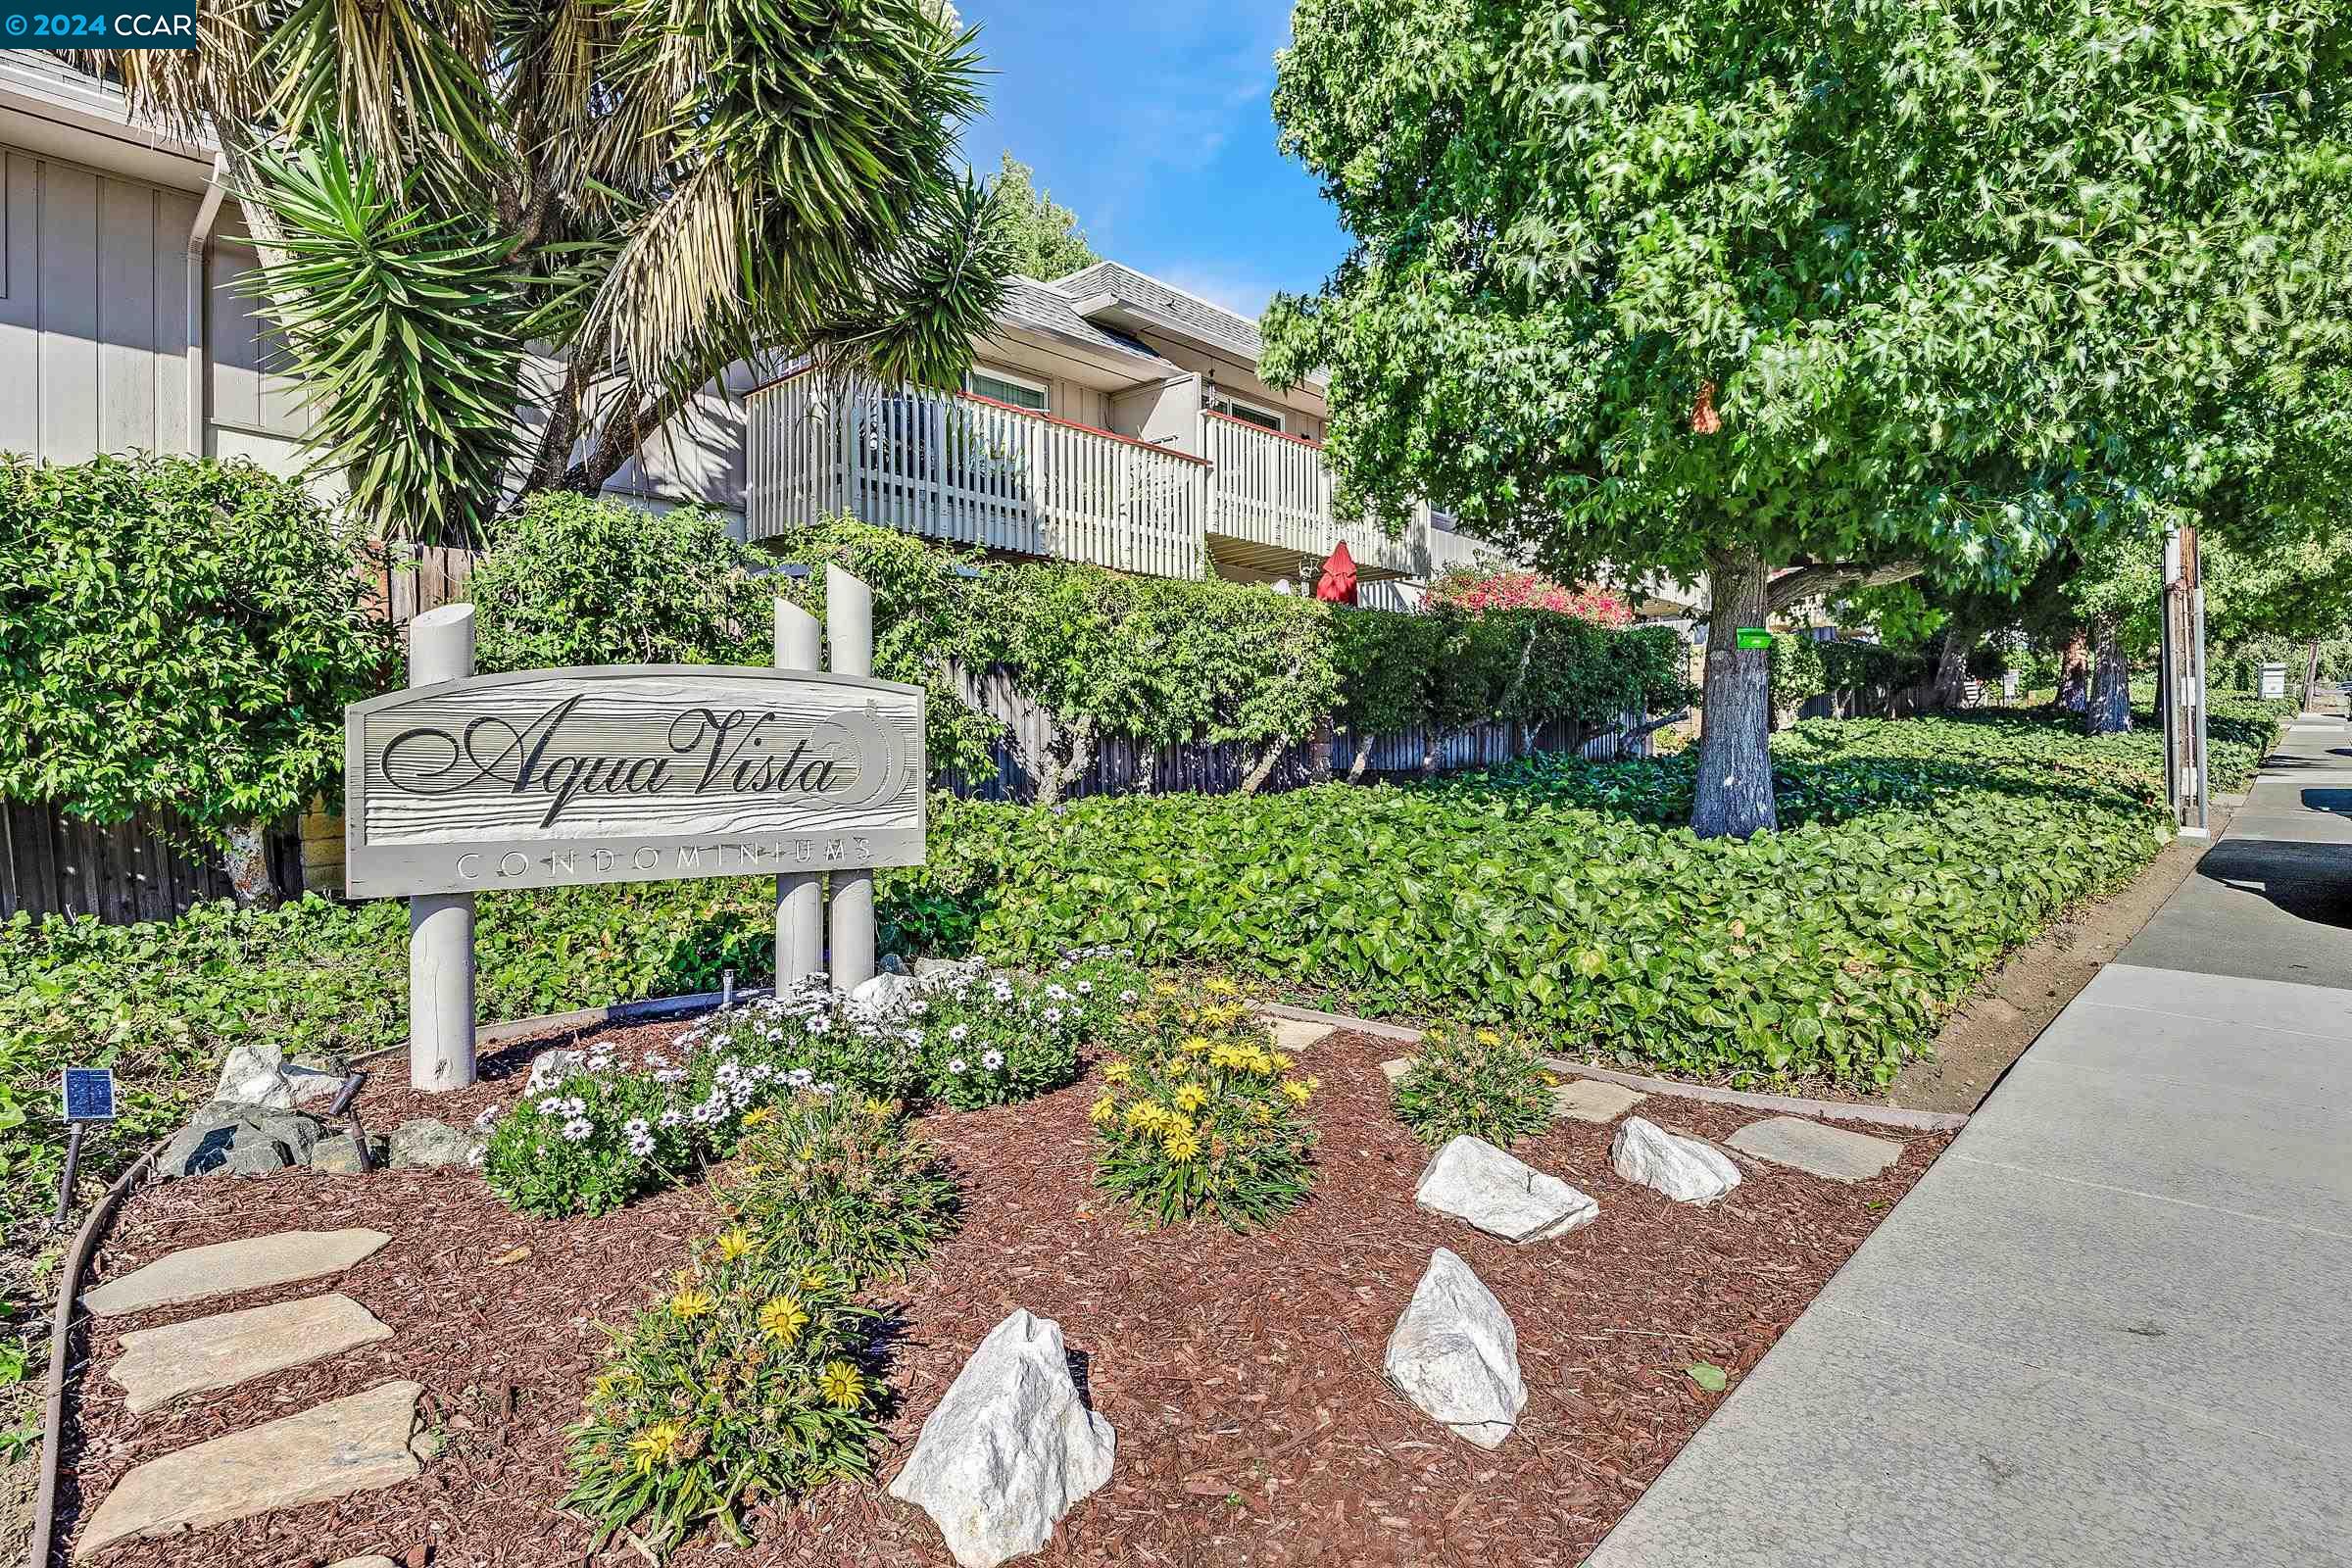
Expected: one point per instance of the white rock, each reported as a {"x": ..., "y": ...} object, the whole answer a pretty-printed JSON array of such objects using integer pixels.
[
  {"x": 1683, "y": 1169},
  {"x": 311, "y": 1083},
  {"x": 1455, "y": 1355},
  {"x": 885, "y": 995},
  {"x": 1503, "y": 1196},
  {"x": 1010, "y": 1449},
  {"x": 551, "y": 1067},
  {"x": 421, "y": 1142},
  {"x": 255, "y": 1075}
]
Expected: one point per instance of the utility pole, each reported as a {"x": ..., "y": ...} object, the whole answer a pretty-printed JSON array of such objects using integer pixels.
[{"x": 2183, "y": 697}]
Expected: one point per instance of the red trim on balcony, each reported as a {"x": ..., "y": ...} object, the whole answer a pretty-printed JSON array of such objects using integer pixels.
[
  {"x": 1015, "y": 408},
  {"x": 1073, "y": 424},
  {"x": 1259, "y": 429}
]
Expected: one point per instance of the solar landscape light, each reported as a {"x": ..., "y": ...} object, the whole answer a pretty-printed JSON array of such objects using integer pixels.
[{"x": 344, "y": 1107}]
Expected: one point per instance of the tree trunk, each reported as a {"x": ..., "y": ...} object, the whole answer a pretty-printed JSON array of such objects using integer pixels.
[
  {"x": 2073, "y": 672},
  {"x": 247, "y": 862},
  {"x": 2110, "y": 710},
  {"x": 1734, "y": 795},
  {"x": 1951, "y": 662},
  {"x": 1263, "y": 767},
  {"x": 2311, "y": 679},
  {"x": 1362, "y": 760}
]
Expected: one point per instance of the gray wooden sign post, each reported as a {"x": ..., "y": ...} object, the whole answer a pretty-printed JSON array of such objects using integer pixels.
[
  {"x": 441, "y": 925},
  {"x": 800, "y": 899},
  {"x": 850, "y": 628}
]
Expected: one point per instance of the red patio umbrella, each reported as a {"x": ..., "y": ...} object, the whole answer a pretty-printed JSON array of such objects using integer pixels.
[{"x": 1338, "y": 582}]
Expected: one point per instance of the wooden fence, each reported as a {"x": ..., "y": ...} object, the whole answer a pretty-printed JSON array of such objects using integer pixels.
[
  {"x": 130, "y": 871},
  {"x": 434, "y": 575}
]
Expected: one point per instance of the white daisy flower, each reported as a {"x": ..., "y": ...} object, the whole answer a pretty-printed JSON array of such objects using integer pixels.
[
  {"x": 992, "y": 1059},
  {"x": 1127, "y": 998},
  {"x": 1052, "y": 1015},
  {"x": 578, "y": 1130},
  {"x": 819, "y": 1024},
  {"x": 958, "y": 1033},
  {"x": 958, "y": 1066}
]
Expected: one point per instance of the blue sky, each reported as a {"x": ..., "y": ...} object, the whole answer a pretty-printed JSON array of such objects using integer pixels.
[{"x": 1155, "y": 128}]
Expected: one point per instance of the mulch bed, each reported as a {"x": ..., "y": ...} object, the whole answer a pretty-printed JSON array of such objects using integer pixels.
[{"x": 1243, "y": 1375}]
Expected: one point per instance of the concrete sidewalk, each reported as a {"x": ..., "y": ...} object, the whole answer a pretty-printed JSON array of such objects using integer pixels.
[{"x": 2113, "y": 1324}]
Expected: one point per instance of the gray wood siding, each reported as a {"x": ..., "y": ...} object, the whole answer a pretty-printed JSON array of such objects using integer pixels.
[
  {"x": 248, "y": 389},
  {"x": 93, "y": 321}
]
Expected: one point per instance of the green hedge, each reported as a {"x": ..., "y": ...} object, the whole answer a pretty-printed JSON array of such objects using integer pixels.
[{"x": 1806, "y": 667}]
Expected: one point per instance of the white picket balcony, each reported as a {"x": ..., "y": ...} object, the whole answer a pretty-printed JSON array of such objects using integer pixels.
[{"x": 973, "y": 472}]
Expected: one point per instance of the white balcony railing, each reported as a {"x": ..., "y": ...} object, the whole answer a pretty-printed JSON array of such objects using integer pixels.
[
  {"x": 979, "y": 473},
  {"x": 971, "y": 472}
]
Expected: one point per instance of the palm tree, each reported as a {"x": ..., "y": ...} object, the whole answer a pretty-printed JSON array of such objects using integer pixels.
[{"x": 505, "y": 243}]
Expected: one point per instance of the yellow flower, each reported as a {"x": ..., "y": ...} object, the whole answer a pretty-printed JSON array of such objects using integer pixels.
[
  {"x": 1262, "y": 1113},
  {"x": 804, "y": 1154},
  {"x": 1162, "y": 988},
  {"x": 1193, "y": 1045},
  {"x": 1103, "y": 1111},
  {"x": 1192, "y": 1097},
  {"x": 691, "y": 1303},
  {"x": 843, "y": 1384},
  {"x": 758, "y": 1114},
  {"x": 877, "y": 1108},
  {"x": 813, "y": 1279},
  {"x": 733, "y": 1244},
  {"x": 783, "y": 1318},
  {"x": 1284, "y": 1061},
  {"x": 1143, "y": 1114},
  {"x": 1299, "y": 1092},
  {"x": 1220, "y": 988},
  {"x": 657, "y": 1443},
  {"x": 612, "y": 1380},
  {"x": 1225, "y": 1055},
  {"x": 1182, "y": 1144},
  {"x": 1118, "y": 1072},
  {"x": 1487, "y": 1037}
]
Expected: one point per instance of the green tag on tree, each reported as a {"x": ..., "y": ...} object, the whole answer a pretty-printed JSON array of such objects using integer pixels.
[{"x": 1752, "y": 637}]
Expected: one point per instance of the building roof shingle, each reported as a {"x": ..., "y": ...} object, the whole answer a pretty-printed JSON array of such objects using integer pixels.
[{"x": 1212, "y": 324}]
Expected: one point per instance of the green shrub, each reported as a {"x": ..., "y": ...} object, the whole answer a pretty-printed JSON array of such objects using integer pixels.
[
  {"x": 585, "y": 1144},
  {"x": 176, "y": 634},
  {"x": 843, "y": 1181},
  {"x": 1200, "y": 1118},
  {"x": 575, "y": 581},
  {"x": 1474, "y": 1082},
  {"x": 747, "y": 1383},
  {"x": 991, "y": 1039}
]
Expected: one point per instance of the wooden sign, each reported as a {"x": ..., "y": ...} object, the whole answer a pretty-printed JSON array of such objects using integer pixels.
[{"x": 630, "y": 773}]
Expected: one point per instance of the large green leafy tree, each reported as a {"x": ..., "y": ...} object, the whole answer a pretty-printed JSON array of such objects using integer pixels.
[
  {"x": 1041, "y": 234},
  {"x": 1801, "y": 296},
  {"x": 645, "y": 191}
]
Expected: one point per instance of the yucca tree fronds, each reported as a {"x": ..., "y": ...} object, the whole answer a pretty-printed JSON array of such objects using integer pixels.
[
  {"x": 818, "y": 144},
  {"x": 404, "y": 330},
  {"x": 644, "y": 191}
]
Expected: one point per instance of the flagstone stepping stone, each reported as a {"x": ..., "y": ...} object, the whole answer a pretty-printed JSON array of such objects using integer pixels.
[
  {"x": 1593, "y": 1099},
  {"x": 220, "y": 1352},
  {"x": 365, "y": 1562},
  {"x": 1399, "y": 1068},
  {"x": 1295, "y": 1034},
  {"x": 1808, "y": 1145},
  {"x": 225, "y": 1268},
  {"x": 358, "y": 1444},
  {"x": 1455, "y": 1355},
  {"x": 1683, "y": 1169},
  {"x": 1501, "y": 1194}
]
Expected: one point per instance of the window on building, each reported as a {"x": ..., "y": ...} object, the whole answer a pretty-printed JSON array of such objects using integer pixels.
[
  {"x": 1004, "y": 388},
  {"x": 1248, "y": 413}
]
